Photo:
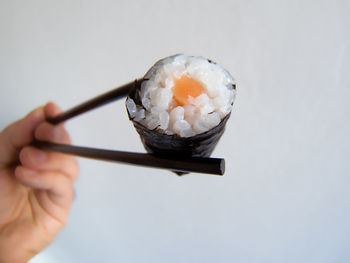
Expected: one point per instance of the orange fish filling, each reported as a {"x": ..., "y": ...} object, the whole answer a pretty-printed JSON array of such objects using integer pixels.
[{"x": 185, "y": 87}]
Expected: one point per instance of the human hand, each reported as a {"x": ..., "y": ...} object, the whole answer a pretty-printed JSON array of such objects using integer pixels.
[{"x": 36, "y": 187}]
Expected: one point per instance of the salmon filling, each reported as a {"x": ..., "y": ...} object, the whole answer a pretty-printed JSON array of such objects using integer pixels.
[
  {"x": 184, "y": 96},
  {"x": 186, "y": 87}
]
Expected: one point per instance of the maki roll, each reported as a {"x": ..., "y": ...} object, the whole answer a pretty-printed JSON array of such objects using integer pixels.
[{"x": 181, "y": 106}]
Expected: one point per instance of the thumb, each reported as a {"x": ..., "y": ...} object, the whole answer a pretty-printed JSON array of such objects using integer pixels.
[{"x": 19, "y": 134}]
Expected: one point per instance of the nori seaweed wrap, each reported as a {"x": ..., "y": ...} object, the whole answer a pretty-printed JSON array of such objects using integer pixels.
[{"x": 185, "y": 135}]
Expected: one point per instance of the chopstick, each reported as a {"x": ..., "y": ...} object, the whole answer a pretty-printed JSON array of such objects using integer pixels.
[
  {"x": 93, "y": 103},
  {"x": 215, "y": 166}
]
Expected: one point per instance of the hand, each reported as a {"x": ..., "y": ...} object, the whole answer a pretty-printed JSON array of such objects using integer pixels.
[{"x": 36, "y": 187}]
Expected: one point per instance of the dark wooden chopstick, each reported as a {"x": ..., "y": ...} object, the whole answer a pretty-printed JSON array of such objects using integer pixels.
[
  {"x": 214, "y": 166},
  {"x": 93, "y": 103}
]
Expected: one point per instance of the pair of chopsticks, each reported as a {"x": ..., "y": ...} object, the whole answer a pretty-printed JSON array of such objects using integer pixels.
[{"x": 214, "y": 166}]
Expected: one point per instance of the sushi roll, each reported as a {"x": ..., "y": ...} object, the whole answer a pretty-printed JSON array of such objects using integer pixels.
[{"x": 181, "y": 106}]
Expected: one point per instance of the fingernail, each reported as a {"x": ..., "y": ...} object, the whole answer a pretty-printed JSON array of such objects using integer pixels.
[
  {"x": 57, "y": 134},
  {"x": 28, "y": 172},
  {"x": 39, "y": 156}
]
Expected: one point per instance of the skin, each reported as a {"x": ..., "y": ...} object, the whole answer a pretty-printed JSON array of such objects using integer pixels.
[{"x": 36, "y": 187}]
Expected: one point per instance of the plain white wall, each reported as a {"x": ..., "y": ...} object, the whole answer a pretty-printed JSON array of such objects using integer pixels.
[{"x": 285, "y": 195}]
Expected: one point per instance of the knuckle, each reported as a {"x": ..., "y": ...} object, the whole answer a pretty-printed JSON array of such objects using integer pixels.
[{"x": 72, "y": 167}]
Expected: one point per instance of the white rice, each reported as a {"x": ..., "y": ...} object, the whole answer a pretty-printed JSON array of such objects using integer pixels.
[{"x": 159, "y": 110}]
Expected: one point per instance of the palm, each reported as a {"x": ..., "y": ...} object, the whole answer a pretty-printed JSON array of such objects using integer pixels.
[{"x": 24, "y": 216}]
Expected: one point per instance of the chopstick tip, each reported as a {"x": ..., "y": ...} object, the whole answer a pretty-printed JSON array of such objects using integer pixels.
[{"x": 222, "y": 167}]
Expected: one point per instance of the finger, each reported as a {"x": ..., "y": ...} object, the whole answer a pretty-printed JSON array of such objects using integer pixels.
[
  {"x": 42, "y": 202},
  {"x": 51, "y": 110},
  {"x": 36, "y": 159},
  {"x": 19, "y": 134},
  {"x": 57, "y": 184},
  {"x": 49, "y": 132}
]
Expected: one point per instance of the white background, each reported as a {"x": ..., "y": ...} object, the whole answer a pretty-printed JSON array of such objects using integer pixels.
[{"x": 285, "y": 195}]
